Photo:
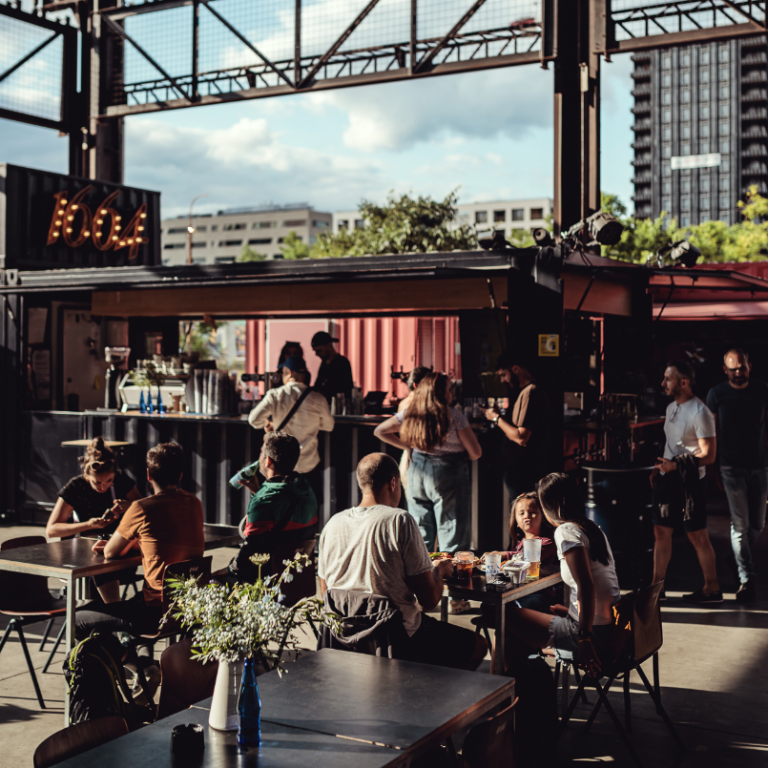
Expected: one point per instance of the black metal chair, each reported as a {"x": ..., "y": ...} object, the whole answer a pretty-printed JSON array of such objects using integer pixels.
[
  {"x": 199, "y": 567},
  {"x": 642, "y": 639},
  {"x": 27, "y": 600}
]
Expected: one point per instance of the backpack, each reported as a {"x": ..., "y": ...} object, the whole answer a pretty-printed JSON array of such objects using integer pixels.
[{"x": 97, "y": 684}]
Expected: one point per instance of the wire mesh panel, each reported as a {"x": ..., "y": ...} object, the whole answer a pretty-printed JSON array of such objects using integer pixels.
[
  {"x": 31, "y": 67},
  {"x": 642, "y": 18},
  {"x": 242, "y": 45}
]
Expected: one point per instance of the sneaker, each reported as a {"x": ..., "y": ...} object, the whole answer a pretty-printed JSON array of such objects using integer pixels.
[
  {"x": 746, "y": 592},
  {"x": 699, "y": 597},
  {"x": 152, "y": 675},
  {"x": 459, "y": 606}
]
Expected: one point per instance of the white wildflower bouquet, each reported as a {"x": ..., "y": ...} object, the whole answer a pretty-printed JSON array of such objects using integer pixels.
[{"x": 245, "y": 620}]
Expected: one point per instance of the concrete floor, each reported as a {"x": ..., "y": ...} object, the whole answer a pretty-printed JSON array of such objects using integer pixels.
[{"x": 712, "y": 673}]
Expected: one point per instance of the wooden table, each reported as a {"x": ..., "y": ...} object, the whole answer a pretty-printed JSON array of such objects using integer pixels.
[
  {"x": 72, "y": 559},
  {"x": 476, "y": 590},
  {"x": 333, "y": 708},
  {"x": 84, "y": 443}
]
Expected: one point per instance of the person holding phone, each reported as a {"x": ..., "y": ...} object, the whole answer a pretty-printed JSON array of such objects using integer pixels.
[{"x": 92, "y": 504}]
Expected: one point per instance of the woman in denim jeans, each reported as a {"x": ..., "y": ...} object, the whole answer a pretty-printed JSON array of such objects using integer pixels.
[{"x": 440, "y": 444}]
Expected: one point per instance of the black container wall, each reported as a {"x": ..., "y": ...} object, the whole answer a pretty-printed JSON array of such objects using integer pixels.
[{"x": 28, "y": 212}]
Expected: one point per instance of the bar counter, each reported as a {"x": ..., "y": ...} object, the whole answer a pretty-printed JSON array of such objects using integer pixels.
[{"x": 217, "y": 447}]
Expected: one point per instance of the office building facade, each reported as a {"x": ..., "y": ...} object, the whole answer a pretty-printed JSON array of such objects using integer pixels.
[
  {"x": 700, "y": 129},
  {"x": 508, "y": 215},
  {"x": 219, "y": 238}
]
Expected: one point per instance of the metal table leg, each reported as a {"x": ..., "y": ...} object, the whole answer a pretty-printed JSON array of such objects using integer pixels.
[
  {"x": 70, "y": 637},
  {"x": 497, "y": 668}
]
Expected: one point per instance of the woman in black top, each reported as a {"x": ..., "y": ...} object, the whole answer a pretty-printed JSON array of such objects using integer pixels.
[{"x": 98, "y": 498}]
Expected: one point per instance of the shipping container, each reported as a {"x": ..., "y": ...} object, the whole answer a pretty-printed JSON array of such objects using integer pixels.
[{"x": 52, "y": 221}]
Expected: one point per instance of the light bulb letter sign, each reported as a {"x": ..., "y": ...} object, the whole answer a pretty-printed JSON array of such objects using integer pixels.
[{"x": 74, "y": 223}]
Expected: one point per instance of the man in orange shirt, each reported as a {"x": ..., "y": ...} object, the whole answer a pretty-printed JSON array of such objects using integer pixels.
[{"x": 167, "y": 528}]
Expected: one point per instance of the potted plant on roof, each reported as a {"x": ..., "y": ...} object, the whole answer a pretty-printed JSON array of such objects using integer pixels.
[{"x": 243, "y": 626}]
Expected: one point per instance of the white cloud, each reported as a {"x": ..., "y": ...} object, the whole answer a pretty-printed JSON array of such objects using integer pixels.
[
  {"x": 397, "y": 116},
  {"x": 244, "y": 164}
]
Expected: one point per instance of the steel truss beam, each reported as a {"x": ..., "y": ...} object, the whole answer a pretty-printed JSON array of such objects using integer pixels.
[
  {"x": 454, "y": 52},
  {"x": 682, "y": 22}
]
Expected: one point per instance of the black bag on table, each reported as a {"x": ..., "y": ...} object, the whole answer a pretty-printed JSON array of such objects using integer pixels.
[{"x": 97, "y": 684}]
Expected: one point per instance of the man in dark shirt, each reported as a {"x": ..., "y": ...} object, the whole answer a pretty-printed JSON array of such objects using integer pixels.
[
  {"x": 740, "y": 406},
  {"x": 526, "y": 428},
  {"x": 335, "y": 374}
]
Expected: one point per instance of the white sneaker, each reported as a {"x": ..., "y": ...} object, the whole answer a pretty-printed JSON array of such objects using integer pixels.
[{"x": 459, "y": 606}]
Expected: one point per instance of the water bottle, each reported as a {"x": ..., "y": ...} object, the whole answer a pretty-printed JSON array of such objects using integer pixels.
[{"x": 244, "y": 474}]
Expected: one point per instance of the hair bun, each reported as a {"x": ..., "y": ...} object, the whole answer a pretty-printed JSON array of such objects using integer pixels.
[{"x": 98, "y": 458}]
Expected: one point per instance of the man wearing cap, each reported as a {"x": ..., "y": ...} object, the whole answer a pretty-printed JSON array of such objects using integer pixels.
[
  {"x": 335, "y": 374},
  {"x": 311, "y": 416}
]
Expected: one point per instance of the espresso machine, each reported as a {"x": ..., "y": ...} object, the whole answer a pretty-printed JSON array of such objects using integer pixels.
[{"x": 117, "y": 357}]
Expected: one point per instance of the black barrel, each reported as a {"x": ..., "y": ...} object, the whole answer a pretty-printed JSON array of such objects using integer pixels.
[{"x": 619, "y": 501}]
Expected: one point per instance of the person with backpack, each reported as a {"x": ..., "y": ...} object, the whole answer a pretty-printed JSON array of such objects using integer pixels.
[
  {"x": 582, "y": 628},
  {"x": 297, "y": 410},
  {"x": 282, "y": 510},
  {"x": 167, "y": 528}
]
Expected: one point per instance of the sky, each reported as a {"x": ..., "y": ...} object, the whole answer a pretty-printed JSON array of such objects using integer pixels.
[{"x": 488, "y": 134}]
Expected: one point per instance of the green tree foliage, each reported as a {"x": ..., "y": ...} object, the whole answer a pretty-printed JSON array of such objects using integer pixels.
[
  {"x": 403, "y": 225},
  {"x": 249, "y": 254},
  {"x": 746, "y": 240},
  {"x": 294, "y": 248}
]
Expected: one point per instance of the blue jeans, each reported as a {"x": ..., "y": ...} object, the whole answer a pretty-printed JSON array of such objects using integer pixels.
[
  {"x": 439, "y": 500},
  {"x": 747, "y": 492}
]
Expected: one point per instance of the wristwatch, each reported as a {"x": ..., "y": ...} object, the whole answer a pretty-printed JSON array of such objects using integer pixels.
[
  {"x": 495, "y": 421},
  {"x": 585, "y": 634}
]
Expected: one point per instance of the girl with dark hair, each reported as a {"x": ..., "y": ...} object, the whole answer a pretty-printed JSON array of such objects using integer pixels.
[
  {"x": 92, "y": 504},
  {"x": 582, "y": 628},
  {"x": 440, "y": 445}
]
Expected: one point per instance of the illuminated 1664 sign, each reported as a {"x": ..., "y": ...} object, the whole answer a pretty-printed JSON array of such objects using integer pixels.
[{"x": 74, "y": 223}]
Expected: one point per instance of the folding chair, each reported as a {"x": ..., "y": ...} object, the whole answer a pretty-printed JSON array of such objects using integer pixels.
[{"x": 643, "y": 643}]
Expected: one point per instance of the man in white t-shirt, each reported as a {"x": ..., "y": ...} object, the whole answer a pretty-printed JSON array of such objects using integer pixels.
[
  {"x": 377, "y": 548},
  {"x": 679, "y": 483}
]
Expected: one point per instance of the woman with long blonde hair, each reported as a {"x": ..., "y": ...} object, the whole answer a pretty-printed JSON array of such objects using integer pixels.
[{"x": 440, "y": 445}]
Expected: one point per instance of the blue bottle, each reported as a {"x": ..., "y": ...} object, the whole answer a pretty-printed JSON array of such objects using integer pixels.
[
  {"x": 142, "y": 404},
  {"x": 249, "y": 707},
  {"x": 150, "y": 407},
  {"x": 159, "y": 402}
]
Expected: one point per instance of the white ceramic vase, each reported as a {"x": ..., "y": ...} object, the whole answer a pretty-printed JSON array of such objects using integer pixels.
[{"x": 223, "y": 715}]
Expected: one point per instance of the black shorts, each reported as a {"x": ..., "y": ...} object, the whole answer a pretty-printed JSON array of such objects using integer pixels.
[
  {"x": 441, "y": 644},
  {"x": 669, "y": 488}
]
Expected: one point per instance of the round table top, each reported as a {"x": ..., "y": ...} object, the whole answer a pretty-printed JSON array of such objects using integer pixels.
[{"x": 85, "y": 442}]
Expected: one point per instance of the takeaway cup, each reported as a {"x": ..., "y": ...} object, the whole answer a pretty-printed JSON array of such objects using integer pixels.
[{"x": 492, "y": 566}]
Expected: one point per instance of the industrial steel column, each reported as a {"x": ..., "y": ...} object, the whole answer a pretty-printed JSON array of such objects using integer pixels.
[
  {"x": 578, "y": 28},
  {"x": 105, "y": 138}
]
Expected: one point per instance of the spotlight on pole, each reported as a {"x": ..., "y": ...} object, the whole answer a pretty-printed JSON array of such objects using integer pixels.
[
  {"x": 685, "y": 254},
  {"x": 603, "y": 227},
  {"x": 541, "y": 237}
]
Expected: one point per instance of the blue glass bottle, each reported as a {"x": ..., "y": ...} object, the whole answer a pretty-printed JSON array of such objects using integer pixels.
[
  {"x": 142, "y": 404},
  {"x": 249, "y": 707},
  {"x": 159, "y": 402},
  {"x": 150, "y": 407}
]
